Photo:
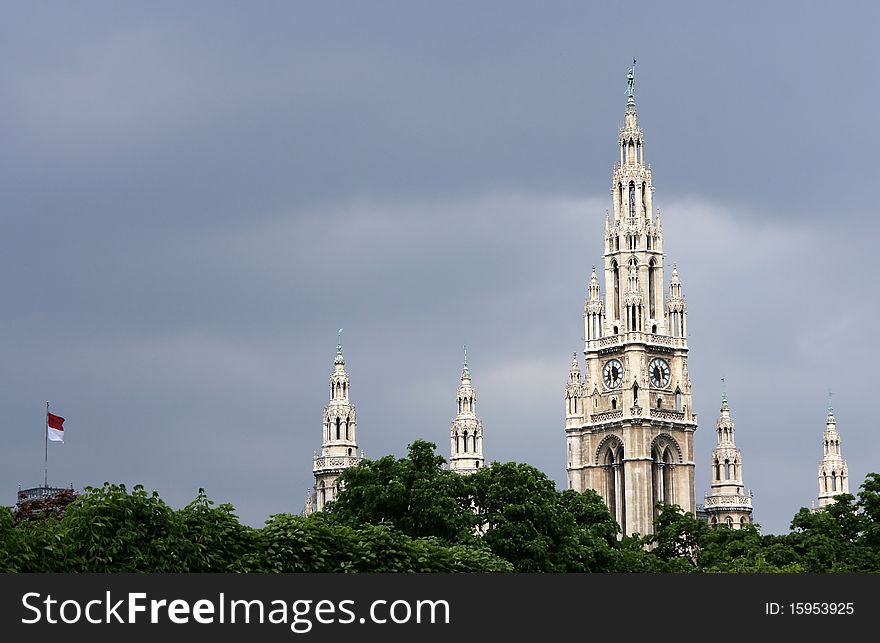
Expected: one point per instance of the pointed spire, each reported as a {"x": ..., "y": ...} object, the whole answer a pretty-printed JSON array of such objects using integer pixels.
[
  {"x": 574, "y": 374},
  {"x": 465, "y": 374},
  {"x": 593, "y": 288},
  {"x": 630, "y": 86},
  {"x": 339, "y": 358},
  {"x": 724, "y": 405}
]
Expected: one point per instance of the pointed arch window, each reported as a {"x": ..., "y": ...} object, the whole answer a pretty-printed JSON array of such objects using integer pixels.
[
  {"x": 615, "y": 483},
  {"x": 615, "y": 274},
  {"x": 338, "y": 427},
  {"x": 632, "y": 199}
]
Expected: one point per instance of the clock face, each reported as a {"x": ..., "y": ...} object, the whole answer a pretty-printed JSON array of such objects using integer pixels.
[
  {"x": 658, "y": 370},
  {"x": 613, "y": 373}
]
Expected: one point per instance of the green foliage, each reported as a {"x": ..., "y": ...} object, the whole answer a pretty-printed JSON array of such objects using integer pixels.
[
  {"x": 411, "y": 515},
  {"x": 415, "y": 495},
  {"x": 315, "y": 544}
]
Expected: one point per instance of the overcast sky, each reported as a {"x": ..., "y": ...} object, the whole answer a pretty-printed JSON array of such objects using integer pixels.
[{"x": 195, "y": 196}]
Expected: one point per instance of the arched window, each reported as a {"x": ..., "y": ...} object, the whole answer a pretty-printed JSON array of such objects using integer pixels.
[
  {"x": 613, "y": 403},
  {"x": 727, "y": 469},
  {"x": 614, "y": 483},
  {"x": 743, "y": 522},
  {"x": 833, "y": 481},
  {"x": 652, "y": 278},
  {"x": 338, "y": 427},
  {"x": 346, "y": 429},
  {"x": 615, "y": 273},
  {"x": 730, "y": 522},
  {"x": 349, "y": 452},
  {"x": 714, "y": 521},
  {"x": 322, "y": 494},
  {"x": 632, "y": 199},
  {"x": 659, "y": 402},
  {"x": 635, "y": 393},
  {"x": 678, "y": 399},
  {"x": 465, "y": 441}
]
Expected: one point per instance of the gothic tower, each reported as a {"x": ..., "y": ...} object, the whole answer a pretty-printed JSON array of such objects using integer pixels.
[
  {"x": 339, "y": 445},
  {"x": 833, "y": 476},
  {"x": 466, "y": 434},
  {"x": 630, "y": 423},
  {"x": 727, "y": 502}
]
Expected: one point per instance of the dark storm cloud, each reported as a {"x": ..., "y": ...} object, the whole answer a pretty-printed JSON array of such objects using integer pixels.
[{"x": 195, "y": 197}]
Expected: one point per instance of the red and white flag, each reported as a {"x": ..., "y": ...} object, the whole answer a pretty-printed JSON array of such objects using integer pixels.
[{"x": 55, "y": 427}]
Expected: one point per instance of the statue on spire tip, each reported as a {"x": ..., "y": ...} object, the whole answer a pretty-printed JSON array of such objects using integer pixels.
[{"x": 630, "y": 82}]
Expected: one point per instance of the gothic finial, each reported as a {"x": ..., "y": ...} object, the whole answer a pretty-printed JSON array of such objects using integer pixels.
[
  {"x": 465, "y": 355},
  {"x": 830, "y": 408},
  {"x": 724, "y": 405},
  {"x": 465, "y": 373},
  {"x": 630, "y": 84},
  {"x": 339, "y": 359}
]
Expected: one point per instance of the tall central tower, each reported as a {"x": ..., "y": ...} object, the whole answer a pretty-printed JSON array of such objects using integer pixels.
[{"x": 630, "y": 420}]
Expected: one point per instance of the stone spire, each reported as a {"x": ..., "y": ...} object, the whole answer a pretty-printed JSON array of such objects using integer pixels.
[
  {"x": 833, "y": 474},
  {"x": 594, "y": 310},
  {"x": 575, "y": 392},
  {"x": 676, "y": 307},
  {"x": 629, "y": 433},
  {"x": 339, "y": 443},
  {"x": 466, "y": 434},
  {"x": 727, "y": 502}
]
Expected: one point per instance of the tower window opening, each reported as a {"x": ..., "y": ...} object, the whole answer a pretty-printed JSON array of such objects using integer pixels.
[
  {"x": 659, "y": 402},
  {"x": 727, "y": 469},
  {"x": 833, "y": 481},
  {"x": 338, "y": 428},
  {"x": 632, "y": 200},
  {"x": 615, "y": 273},
  {"x": 730, "y": 522},
  {"x": 613, "y": 403},
  {"x": 678, "y": 399},
  {"x": 349, "y": 452}
]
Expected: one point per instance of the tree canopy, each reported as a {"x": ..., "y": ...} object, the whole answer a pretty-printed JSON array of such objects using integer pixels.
[{"x": 412, "y": 514}]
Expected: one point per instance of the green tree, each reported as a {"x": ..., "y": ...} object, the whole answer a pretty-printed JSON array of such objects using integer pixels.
[{"x": 415, "y": 495}]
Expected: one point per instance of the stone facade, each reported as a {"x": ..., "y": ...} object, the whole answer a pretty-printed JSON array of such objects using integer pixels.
[{"x": 629, "y": 421}]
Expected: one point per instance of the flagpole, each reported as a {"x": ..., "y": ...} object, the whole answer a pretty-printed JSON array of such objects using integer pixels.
[{"x": 46, "y": 458}]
